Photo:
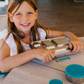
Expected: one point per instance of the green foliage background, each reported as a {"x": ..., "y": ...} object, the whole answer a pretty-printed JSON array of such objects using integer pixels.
[{"x": 2, "y": 0}]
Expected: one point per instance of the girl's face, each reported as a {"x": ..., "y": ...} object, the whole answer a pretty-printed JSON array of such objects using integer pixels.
[{"x": 24, "y": 18}]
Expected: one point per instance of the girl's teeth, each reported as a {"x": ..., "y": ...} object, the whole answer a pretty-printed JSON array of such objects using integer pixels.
[{"x": 24, "y": 24}]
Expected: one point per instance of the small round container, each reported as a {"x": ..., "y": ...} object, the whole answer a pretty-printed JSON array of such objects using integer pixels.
[
  {"x": 75, "y": 73},
  {"x": 3, "y": 74},
  {"x": 55, "y": 81}
]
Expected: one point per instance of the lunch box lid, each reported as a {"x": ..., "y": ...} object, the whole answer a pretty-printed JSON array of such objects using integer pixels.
[
  {"x": 55, "y": 81},
  {"x": 75, "y": 71},
  {"x": 3, "y": 74}
]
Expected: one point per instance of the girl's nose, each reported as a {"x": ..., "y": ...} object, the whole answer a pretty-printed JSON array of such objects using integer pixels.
[{"x": 25, "y": 17}]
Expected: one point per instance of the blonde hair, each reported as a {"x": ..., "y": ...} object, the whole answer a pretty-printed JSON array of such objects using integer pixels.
[{"x": 12, "y": 28}]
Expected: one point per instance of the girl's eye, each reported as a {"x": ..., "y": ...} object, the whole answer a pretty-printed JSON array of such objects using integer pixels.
[
  {"x": 18, "y": 14},
  {"x": 30, "y": 13}
]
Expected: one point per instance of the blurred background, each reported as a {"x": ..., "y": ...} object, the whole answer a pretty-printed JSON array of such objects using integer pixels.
[{"x": 60, "y": 15}]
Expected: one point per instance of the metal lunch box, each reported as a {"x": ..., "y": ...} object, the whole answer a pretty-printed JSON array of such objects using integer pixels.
[
  {"x": 75, "y": 73},
  {"x": 59, "y": 44}
]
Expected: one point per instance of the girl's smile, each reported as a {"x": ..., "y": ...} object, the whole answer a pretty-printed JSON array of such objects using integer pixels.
[
  {"x": 24, "y": 18},
  {"x": 25, "y": 25}
]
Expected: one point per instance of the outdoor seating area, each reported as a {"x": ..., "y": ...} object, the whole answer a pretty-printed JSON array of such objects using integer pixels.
[
  {"x": 59, "y": 15},
  {"x": 3, "y": 22}
]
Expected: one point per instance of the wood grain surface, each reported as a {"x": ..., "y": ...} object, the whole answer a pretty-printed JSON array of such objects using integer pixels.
[{"x": 36, "y": 72}]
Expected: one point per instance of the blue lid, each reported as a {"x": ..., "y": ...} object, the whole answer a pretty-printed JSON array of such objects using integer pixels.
[
  {"x": 3, "y": 74},
  {"x": 75, "y": 71},
  {"x": 55, "y": 81}
]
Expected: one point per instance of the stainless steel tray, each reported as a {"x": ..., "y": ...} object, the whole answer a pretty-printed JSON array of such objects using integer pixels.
[{"x": 59, "y": 44}]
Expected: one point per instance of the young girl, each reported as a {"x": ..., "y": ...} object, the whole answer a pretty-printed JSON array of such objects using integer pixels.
[{"x": 23, "y": 28}]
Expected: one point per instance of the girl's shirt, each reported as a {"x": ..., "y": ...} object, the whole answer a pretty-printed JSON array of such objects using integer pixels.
[
  {"x": 13, "y": 47},
  {"x": 11, "y": 43}
]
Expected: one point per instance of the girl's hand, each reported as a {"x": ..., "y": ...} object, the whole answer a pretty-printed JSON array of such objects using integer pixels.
[
  {"x": 45, "y": 55},
  {"x": 76, "y": 45}
]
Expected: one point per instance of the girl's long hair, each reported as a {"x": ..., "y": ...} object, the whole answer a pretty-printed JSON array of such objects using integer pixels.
[{"x": 12, "y": 28}]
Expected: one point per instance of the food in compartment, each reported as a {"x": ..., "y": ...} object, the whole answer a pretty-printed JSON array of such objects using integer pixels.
[
  {"x": 59, "y": 49},
  {"x": 60, "y": 41},
  {"x": 36, "y": 44},
  {"x": 48, "y": 44}
]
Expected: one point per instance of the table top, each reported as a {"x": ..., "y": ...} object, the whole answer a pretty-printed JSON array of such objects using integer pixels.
[{"x": 37, "y": 72}]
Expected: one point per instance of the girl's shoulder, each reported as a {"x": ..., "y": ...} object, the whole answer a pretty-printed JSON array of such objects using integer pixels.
[
  {"x": 42, "y": 33},
  {"x": 10, "y": 41},
  {"x": 40, "y": 30}
]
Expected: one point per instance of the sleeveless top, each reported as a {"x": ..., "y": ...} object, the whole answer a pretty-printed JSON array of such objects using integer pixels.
[{"x": 11, "y": 43}]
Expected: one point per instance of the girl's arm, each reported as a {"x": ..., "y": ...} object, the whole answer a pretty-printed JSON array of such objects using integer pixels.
[
  {"x": 74, "y": 43},
  {"x": 8, "y": 62}
]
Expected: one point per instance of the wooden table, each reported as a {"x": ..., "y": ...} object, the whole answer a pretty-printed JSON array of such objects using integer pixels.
[{"x": 42, "y": 73}]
